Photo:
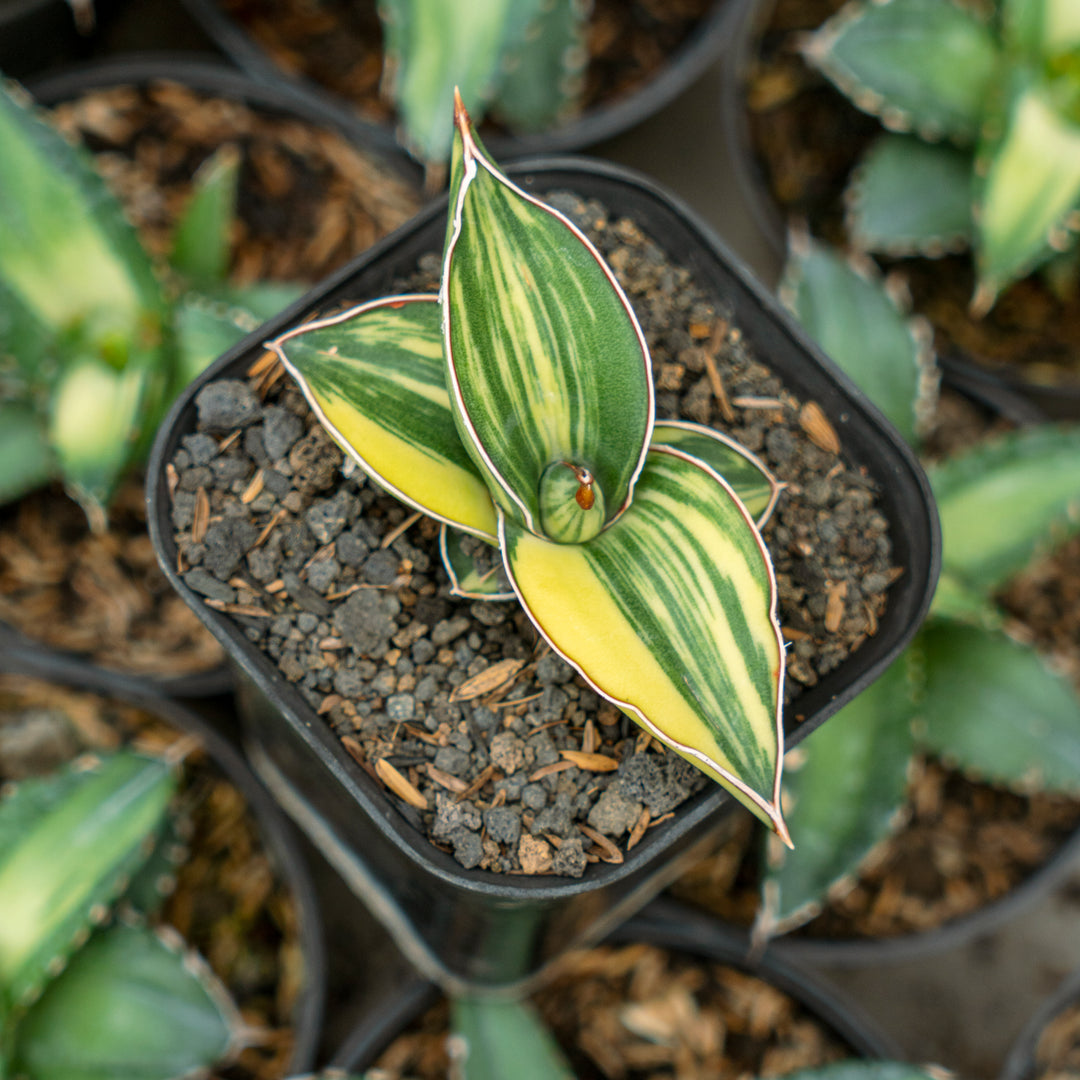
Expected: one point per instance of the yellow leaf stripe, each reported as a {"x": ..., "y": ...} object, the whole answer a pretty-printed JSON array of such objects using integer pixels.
[
  {"x": 670, "y": 613},
  {"x": 375, "y": 378},
  {"x": 546, "y": 359}
]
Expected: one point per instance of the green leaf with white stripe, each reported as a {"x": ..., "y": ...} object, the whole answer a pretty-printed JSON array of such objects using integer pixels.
[
  {"x": 66, "y": 250},
  {"x": 474, "y": 567},
  {"x": 375, "y": 377},
  {"x": 1004, "y": 501},
  {"x": 751, "y": 481},
  {"x": 670, "y": 613},
  {"x": 68, "y": 844},
  {"x": 547, "y": 364}
]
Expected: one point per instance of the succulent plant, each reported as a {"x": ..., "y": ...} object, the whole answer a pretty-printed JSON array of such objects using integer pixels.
[
  {"x": 965, "y": 690},
  {"x": 84, "y": 992},
  {"x": 95, "y": 339},
  {"x": 522, "y": 59},
  {"x": 985, "y": 115},
  {"x": 516, "y": 406}
]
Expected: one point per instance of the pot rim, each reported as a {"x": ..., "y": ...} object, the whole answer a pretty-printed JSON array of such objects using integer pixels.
[
  {"x": 522, "y": 888},
  {"x": 1019, "y": 1062},
  {"x": 705, "y": 44},
  {"x": 279, "y": 838}
]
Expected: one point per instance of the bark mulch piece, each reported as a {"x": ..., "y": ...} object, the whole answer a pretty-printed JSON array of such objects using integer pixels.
[
  {"x": 638, "y": 1011},
  {"x": 805, "y": 138},
  {"x": 338, "y": 44},
  {"x": 308, "y": 202},
  {"x": 228, "y": 902},
  {"x": 343, "y": 588}
]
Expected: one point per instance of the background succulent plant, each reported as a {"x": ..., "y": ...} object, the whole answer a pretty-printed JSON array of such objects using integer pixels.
[
  {"x": 85, "y": 994},
  {"x": 965, "y": 690},
  {"x": 517, "y": 407},
  {"x": 985, "y": 121},
  {"x": 522, "y": 60},
  {"x": 95, "y": 339}
]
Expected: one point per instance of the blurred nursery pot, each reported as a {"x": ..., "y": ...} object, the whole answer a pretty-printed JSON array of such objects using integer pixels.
[
  {"x": 778, "y": 1015},
  {"x": 803, "y": 150},
  {"x": 1049, "y": 1044},
  {"x": 244, "y": 896},
  {"x": 619, "y": 91},
  {"x": 471, "y": 926},
  {"x": 167, "y": 133}
]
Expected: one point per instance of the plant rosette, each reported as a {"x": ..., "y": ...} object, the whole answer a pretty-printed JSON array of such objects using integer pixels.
[
  {"x": 988, "y": 263},
  {"x": 179, "y": 874},
  {"x": 671, "y": 990},
  {"x": 970, "y": 808},
  {"x": 554, "y": 76},
  {"x": 198, "y": 157},
  {"x": 363, "y": 600}
]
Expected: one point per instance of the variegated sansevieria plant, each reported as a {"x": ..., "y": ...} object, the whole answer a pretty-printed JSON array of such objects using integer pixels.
[{"x": 516, "y": 407}]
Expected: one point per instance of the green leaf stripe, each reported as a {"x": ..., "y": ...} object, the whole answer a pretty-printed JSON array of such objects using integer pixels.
[
  {"x": 546, "y": 359},
  {"x": 466, "y": 579},
  {"x": 670, "y": 613},
  {"x": 747, "y": 474},
  {"x": 374, "y": 376}
]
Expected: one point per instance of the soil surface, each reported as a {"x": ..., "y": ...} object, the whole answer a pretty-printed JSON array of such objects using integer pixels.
[
  {"x": 338, "y": 44},
  {"x": 805, "y": 138},
  {"x": 634, "y": 1012},
  {"x": 228, "y": 902},
  {"x": 307, "y": 203},
  {"x": 490, "y": 742}
]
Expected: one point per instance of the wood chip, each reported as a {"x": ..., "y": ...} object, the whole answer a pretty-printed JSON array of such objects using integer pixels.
[
  {"x": 253, "y": 489},
  {"x": 269, "y": 527},
  {"x": 608, "y": 851},
  {"x": 446, "y": 780},
  {"x": 590, "y": 762},
  {"x": 248, "y": 610},
  {"x": 477, "y": 784},
  {"x": 488, "y": 680},
  {"x": 201, "y": 516},
  {"x": 716, "y": 383},
  {"x": 791, "y": 634},
  {"x": 519, "y": 701},
  {"x": 328, "y": 703},
  {"x": 399, "y": 530},
  {"x": 818, "y": 429},
  {"x": 550, "y": 770},
  {"x": 590, "y": 740},
  {"x": 399, "y": 785},
  {"x": 172, "y": 479},
  {"x": 750, "y": 401},
  {"x": 640, "y": 826},
  {"x": 834, "y": 606},
  {"x": 263, "y": 364}
]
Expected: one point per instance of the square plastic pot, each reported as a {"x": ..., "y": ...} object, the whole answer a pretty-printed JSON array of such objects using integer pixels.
[{"x": 473, "y": 927}]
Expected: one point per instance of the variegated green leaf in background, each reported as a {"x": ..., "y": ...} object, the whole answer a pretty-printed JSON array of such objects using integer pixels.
[
  {"x": 549, "y": 374},
  {"x": 128, "y": 1006},
  {"x": 495, "y": 1040},
  {"x": 375, "y": 377},
  {"x": 26, "y": 460},
  {"x": 844, "y": 798},
  {"x": 476, "y": 573},
  {"x": 1032, "y": 183},
  {"x": 868, "y": 1070},
  {"x": 26, "y": 341},
  {"x": 541, "y": 80},
  {"x": 1041, "y": 28},
  {"x": 433, "y": 47},
  {"x": 920, "y": 65},
  {"x": 68, "y": 843},
  {"x": 670, "y": 613},
  {"x": 756, "y": 487},
  {"x": 908, "y": 197},
  {"x": 1004, "y": 500},
  {"x": 845, "y": 308},
  {"x": 66, "y": 249},
  {"x": 955, "y": 600},
  {"x": 992, "y": 707},
  {"x": 201, "y": 243}
]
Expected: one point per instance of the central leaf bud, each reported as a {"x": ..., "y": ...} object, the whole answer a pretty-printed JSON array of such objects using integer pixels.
[{"x": 571, "y": 503}]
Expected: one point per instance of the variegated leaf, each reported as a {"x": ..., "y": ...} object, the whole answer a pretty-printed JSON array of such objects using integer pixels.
[
  {"x": 548, "y": 367},
  {"x": 1032, "y": 183},
  {"x": 921, "y": 65},
  {"x": 374, "y": 375},
  {"x": 201, "y": 239},
  {"x": 751, "y": 481},
  {"x": 1041, "y": 28},
  {"x": 670, "y": 613},
  {"x": 476, "y": 576}
]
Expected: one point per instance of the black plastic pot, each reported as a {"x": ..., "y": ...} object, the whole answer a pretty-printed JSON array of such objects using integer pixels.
[
  {"x": 475, "y": 927},
  {"x": 1021, "y": 1062},
  {"x": 594, "y": 125},
  {"x": 214, "y": 78},
  {"x": 37, "y": 34},
  {"x": 277, "y": 834},
  {"x": 667, "y": 925}
]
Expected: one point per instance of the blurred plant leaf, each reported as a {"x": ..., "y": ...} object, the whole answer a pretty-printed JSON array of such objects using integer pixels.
[
  {"x": 500, "y": 1039},
  {"x": 26, "y": 460},
  {"x": 201, "y": 243}
]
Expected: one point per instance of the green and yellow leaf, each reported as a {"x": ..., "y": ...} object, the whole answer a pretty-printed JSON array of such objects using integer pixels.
[
  {"x": 670, "y": 613},
  {"x": 470, "y": 575},
  {"x": 547, "y": 363},
  {"x": 374, "y": 376},
  {"x": 747, "y": 474}
]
